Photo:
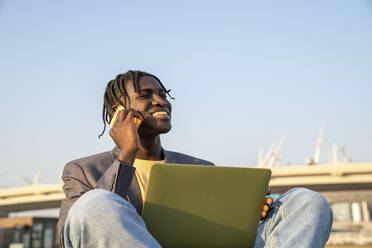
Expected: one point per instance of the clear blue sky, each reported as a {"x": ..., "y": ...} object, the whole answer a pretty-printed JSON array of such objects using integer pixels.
[{"x": 242, "y": 73}]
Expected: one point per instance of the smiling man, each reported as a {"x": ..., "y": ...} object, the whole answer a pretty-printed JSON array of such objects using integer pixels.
[{"x": 105, "y": 192}]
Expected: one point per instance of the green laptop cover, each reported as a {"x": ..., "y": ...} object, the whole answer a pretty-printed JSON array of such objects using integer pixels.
[{"x": 204, "y": 206}]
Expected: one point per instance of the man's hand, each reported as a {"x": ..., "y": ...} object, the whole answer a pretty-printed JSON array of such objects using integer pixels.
[
  {"x": 125, "y": 135},
  {"x": 266, "y": 205}
]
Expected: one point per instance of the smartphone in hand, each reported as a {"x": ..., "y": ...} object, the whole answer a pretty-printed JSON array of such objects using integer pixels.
[{"x": 137, "y": 120}]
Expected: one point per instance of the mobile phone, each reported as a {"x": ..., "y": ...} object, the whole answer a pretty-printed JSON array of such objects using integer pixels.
[{"x": 137, "y": 120}]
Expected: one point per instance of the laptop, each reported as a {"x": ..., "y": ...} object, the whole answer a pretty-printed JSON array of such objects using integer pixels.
[{"x": 204, "y": 206}]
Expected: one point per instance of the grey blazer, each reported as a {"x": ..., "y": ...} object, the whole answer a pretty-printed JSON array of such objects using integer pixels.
[{"x": 105, "y": 171}]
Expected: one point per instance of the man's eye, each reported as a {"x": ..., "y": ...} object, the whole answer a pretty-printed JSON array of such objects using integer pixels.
[
  {"x": 144, "y": 95},
  {"x": 163, "y": 95}
]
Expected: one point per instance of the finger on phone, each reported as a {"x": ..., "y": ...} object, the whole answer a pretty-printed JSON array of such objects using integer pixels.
[
  {"x": 265, "y": 208},
  {"x": 138, "y": 114},
  {"x": 120, "y": 116},
  {"x": 125, "y": 114},
  {"x": 130, "y": 115}
]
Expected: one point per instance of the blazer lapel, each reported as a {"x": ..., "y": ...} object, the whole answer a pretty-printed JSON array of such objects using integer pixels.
[
  {"x": 134, "y": 196},
  {"x": 168, "y": 157}
]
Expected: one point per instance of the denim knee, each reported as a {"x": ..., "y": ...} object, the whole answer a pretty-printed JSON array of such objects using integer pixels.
[
  {"x": 95, "y": 202},
  {"x": 308, "y": 197},
  {"x": 309, "y": 201}
]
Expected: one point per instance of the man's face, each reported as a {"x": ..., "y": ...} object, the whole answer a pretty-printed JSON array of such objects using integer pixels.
[{"x": 151, "y": 101}]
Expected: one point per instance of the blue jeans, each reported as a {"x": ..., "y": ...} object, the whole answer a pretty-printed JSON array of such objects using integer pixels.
[{"x": 298, "y": 218}]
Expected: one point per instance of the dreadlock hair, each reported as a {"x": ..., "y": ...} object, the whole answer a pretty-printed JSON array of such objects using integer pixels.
[{"x": 116, "y": 93}]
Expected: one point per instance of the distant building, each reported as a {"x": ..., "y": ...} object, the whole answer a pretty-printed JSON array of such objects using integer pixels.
[{"x": 28, "y": 232}]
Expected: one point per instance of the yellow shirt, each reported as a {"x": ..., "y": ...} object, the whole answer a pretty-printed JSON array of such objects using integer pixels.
[{"x": 143, "y": 168}]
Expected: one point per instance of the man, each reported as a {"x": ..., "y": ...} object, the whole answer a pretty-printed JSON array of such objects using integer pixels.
[{"x": 105, "y": 192}]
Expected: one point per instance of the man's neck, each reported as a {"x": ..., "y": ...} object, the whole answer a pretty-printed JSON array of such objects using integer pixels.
[{"x": 150, "y": 149}]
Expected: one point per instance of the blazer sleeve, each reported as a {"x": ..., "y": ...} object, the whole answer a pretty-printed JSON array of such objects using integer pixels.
[{"x": 117, "y": 179}]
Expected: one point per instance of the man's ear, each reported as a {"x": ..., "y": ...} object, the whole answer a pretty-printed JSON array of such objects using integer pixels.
[{"x": 114, "y": 107}]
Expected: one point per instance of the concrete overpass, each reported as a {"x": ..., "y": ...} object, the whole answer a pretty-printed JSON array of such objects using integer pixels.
[
  {"x": 323, "y": 177},
  {"x": 33, "y": 197}
]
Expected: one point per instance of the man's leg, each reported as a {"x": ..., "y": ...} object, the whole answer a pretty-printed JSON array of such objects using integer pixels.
[
  {"x": 101, "y": 218},
  {"x": 298, "y": 218}
]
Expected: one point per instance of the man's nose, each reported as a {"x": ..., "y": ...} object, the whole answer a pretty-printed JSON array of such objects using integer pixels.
[{"x": 158, "y": 101}]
